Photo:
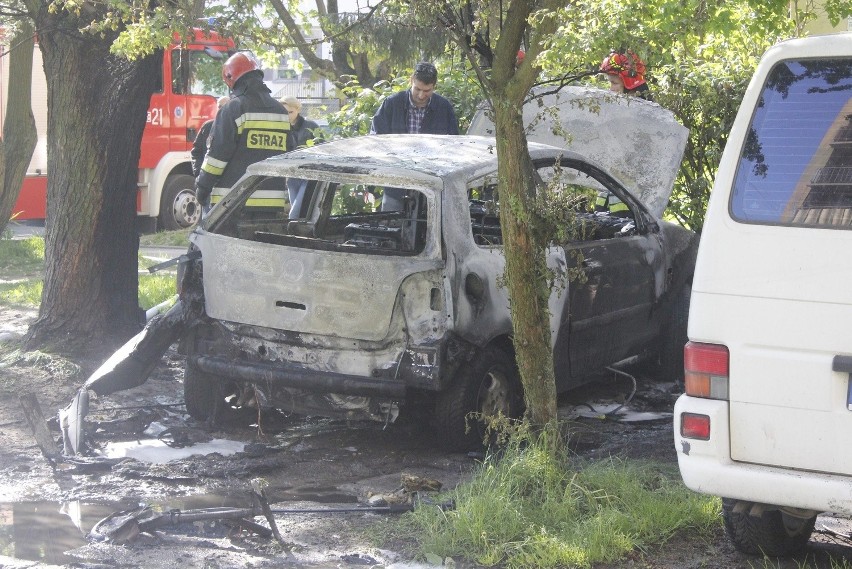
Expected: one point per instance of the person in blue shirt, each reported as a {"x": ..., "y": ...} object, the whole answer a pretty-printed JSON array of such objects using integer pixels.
[{"x": 417, "y": 110}]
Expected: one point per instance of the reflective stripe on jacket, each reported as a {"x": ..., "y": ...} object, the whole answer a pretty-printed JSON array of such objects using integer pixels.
[{"x": 251, "y": 127}]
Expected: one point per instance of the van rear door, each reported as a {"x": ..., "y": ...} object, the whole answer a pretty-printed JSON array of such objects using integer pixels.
[{"x": 774, "y": 281}]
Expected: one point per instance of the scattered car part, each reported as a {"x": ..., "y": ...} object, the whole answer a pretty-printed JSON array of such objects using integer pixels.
[
  {"x": 38, "y": 425},
  {"x": 128, "y": 367},
  {"x": 126, "y": 525}
]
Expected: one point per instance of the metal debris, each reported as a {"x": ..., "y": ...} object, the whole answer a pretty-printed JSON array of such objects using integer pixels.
[
  {"x": 128, "y": 367},
  {"x": 125, "y": 526}
]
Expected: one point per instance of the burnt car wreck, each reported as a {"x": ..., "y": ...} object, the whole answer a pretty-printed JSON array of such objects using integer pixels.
[
  {"x": 351, "y": 308},
  {"x": 381, "y": 290}
]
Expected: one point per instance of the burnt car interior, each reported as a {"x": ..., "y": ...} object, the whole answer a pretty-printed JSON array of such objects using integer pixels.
[
  {"x": 576, "y": 193},
  {"x": 334, "y": 217}
]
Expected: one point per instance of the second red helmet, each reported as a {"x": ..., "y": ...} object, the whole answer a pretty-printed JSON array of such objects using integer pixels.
[
  {"x": 628, "y": 66},
  {"x": 236, "y": 66}
]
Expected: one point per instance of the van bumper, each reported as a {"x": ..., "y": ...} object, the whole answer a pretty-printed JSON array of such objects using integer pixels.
[{"x": 706, "y": 467}]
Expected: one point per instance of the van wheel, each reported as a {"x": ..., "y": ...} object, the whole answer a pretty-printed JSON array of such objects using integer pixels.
[
  {"x": 774, "y": 533},
  {"x": 179, "y": 208},
  {"x": 488, "y": 385},
  {"x": 674, "y": 337}
]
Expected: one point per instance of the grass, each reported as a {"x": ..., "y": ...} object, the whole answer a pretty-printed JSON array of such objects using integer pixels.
[
  {"x": 22, "y": 258},
  {"x": 56, "y": 365},
  {"x": 156, "y": 288},
  {"x": 22, "y": 265},
  {"x": 177, "y": 238},
  {"x": 526, "y": 509}
]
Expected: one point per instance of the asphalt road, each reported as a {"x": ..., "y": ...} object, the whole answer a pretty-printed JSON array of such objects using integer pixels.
[{"x": 24, "y": 229}]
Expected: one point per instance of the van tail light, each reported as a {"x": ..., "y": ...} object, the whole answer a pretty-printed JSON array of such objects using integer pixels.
[
  {"x": 695, "y": 426},
  {"x": 706, "y": 370}
]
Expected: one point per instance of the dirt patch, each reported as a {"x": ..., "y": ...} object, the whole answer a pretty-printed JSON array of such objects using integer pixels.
[{"x": 310, "y": 463}]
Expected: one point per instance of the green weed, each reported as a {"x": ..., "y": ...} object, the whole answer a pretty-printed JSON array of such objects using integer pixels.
[{"x": 525, "y": 509}]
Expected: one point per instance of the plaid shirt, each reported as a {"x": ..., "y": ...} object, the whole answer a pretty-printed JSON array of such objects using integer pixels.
[{"x": 415, "y": 116}]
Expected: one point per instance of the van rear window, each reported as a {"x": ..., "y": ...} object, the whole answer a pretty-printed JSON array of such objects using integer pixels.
[{"x": 796, "y": 165}]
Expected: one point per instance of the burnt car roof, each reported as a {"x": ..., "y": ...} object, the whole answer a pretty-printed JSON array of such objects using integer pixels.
[{"x": 388, "y": 154}]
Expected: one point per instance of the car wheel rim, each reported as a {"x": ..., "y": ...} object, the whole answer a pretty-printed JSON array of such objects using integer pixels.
[
  {"x": 494, "y": 394},
  {"x": 186, "y": 209}
]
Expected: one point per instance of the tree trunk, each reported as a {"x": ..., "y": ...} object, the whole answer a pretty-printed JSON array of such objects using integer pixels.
[
  {"x": 97, "y": 107},
  {"x": 526, "y": 266},
  {"x": 19, "y": 129},
  {"x": 525, "y": 243}
]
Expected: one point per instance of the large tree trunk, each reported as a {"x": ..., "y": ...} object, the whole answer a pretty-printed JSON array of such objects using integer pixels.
[
  {"x": 97, "y": 107},
  {"x": 19, "y": 128},
  {"x": 526, "y": 267},
  {"x": 525, "y": 243}
]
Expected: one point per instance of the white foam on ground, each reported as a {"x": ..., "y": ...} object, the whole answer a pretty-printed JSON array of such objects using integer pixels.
[{"x": 158, "y": 452}]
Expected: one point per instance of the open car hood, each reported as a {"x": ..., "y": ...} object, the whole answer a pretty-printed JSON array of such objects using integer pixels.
[{"x": 635, "y": 140}]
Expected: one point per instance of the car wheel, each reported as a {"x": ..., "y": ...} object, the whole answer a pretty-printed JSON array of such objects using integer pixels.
[
  {"x": 773, "y": 533},
  {"x": 202, "y": 394},
  {"x": 488, "y": 385},
  {"x": 179, "y": 208},
  {"x": 674, "y": 337}
]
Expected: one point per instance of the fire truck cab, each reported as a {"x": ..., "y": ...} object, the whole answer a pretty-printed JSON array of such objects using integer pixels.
[{"x": 190, "y": 81}]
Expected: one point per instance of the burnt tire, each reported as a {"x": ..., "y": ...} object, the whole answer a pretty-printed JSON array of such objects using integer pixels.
[
  {"x": 487, "y": 385},
  {"x": 202, "y": 394},
  {"x": 774, "y": 533},
  {"x": 674, "y": 337},
  {"x": 179, "y": 208}
]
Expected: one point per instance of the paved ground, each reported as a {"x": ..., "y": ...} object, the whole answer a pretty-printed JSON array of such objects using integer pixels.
[{"x": 24, "y": 229}]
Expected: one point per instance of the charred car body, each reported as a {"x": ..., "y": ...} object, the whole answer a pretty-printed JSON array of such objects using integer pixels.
[{"x": 354, "y": 309}]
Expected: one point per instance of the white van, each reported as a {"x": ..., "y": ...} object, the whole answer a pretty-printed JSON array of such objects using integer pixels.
[{"x": 767, "y": 415}]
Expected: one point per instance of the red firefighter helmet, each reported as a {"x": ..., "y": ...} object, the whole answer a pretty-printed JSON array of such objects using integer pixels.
[
  {"x": 236, "y": 66},
  {"x": 628, "y": 66}
]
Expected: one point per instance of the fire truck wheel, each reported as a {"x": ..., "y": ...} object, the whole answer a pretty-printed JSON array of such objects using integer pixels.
[{"x": 178, "y": 207}]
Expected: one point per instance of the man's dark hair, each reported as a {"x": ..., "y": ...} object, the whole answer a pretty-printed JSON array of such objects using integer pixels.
[{"x": 426, "y": 73}]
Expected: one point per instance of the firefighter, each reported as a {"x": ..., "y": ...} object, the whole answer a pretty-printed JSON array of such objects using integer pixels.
[
  {"x": 252, "y": 126},
  {"x": 626, "y": 74},
  {"x": 199, "y": 147}
]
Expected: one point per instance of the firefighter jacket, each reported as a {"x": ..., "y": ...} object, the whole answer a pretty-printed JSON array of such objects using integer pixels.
[
  {"x": 251, "y": 127},
  {"x": 199, "y": 147}
]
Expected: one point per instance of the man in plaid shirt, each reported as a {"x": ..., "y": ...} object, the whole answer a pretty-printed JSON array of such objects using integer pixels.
[{"x": 417, "y": 110}]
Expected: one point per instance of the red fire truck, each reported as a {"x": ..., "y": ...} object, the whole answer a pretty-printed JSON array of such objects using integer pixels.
[{"x": 189, "y": 84}]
